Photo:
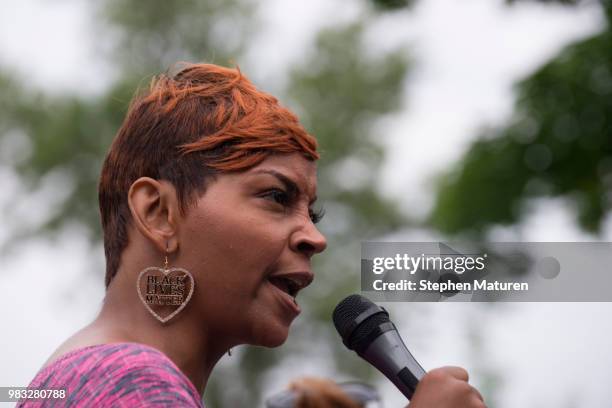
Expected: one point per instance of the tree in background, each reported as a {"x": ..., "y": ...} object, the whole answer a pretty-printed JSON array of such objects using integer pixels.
[
  {"x": 339, "y": 92},
  {"x": 557, "y": 144}
]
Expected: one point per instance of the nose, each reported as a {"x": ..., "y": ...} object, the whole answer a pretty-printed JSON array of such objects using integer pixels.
[{"x": 308, "y": 240}]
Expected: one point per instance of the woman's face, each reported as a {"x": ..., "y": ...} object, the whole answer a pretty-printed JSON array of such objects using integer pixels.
[{"x": 249, "y": 243}]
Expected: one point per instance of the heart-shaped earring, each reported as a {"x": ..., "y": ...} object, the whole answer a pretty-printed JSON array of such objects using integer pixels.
[{"x": 165, "y": 291}]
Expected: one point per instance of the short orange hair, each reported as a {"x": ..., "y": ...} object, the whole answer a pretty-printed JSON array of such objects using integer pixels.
[{"x": 186, "y": 128}]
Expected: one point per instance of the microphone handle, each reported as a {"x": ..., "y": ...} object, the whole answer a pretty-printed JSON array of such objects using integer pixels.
[{"x": 389, "y": 355}]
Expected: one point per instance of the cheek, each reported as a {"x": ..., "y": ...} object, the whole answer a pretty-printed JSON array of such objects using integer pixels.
[
  {"x": 230, "y": 254},
  {"x": 233, "y": 250}
]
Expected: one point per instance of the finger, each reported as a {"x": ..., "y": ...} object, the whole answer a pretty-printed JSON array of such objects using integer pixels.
[
  {"x": 478, "y": 394},
  {"x": 457, "y": 372}
]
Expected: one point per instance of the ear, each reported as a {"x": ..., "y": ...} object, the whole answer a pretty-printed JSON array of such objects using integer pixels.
[{"x": 154, "y": 208}]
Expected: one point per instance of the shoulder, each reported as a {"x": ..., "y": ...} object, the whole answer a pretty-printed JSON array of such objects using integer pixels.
[
  {"x": 142, "y": 374},
  {"x": 125, "y": 373}
]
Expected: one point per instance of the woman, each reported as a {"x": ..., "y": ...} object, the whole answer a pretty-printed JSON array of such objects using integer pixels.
[{"x": 206, "y": 200}]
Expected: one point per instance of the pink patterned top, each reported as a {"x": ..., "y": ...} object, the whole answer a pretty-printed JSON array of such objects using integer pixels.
[{"x": 115, "y": 375}]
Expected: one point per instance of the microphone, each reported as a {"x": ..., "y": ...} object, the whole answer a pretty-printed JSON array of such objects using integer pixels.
[{"x": 365, "y": 328}]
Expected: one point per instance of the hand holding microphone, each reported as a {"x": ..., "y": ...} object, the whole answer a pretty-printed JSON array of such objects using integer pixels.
[
  {"x": 366, "y": 328},
  {"x": 446, "y": 387}
]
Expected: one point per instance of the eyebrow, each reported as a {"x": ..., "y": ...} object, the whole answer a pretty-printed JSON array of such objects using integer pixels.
[{"x": 289, "y": 184}]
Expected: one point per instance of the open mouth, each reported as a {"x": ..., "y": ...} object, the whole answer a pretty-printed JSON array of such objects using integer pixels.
[
  {"x": 286, "y": 285},
  {"x": 291, "y": 283}
]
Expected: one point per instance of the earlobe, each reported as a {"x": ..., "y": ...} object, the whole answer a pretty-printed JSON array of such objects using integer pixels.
[{"x": 153, "y": 206}]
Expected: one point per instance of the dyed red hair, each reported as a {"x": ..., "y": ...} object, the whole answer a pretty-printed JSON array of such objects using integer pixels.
[{"x": 185, "y": 129}]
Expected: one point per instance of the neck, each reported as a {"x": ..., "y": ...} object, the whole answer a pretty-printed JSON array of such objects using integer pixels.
[{"x": 183, "y": 339}]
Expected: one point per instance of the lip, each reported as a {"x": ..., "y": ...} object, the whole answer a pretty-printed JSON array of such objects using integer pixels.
[
  {"x": 286, "y": 300},
  {"x": 304, "y": 278}
]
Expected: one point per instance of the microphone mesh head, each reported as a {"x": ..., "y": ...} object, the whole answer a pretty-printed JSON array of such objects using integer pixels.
[{"x": 344, "y": 317}]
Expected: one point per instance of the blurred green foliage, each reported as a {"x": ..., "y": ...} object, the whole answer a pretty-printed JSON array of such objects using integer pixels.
[
  {"x": 391, "y": 5},
  {"x": 558, "y": 144}
]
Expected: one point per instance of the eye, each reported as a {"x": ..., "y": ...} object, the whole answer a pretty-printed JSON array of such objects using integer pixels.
[
  {"x": 277, "y": 195},
  {"x": 316, "y": 215},
  {"x": 286, "y": 200}
]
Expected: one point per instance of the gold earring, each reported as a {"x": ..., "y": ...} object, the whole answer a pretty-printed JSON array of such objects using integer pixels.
[{"x": 165, "y": 291}]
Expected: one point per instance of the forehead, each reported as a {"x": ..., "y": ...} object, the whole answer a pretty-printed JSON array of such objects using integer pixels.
[{"x": 296, "y": 167}]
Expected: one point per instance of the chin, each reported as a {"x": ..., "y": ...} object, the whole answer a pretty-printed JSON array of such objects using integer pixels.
[{"x": 271, "y": 336}]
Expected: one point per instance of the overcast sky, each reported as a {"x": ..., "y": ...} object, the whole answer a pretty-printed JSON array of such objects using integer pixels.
[{"x": 468, "y": 54}]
